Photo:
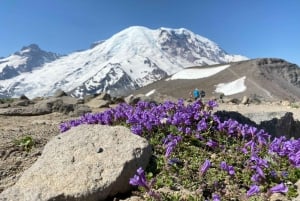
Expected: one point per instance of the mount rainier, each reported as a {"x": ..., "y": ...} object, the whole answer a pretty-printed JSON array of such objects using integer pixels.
[{"x": 130, "y": 59}]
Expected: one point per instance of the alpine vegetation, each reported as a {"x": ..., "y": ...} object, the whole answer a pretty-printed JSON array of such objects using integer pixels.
[{"x": 196, "y": 156}]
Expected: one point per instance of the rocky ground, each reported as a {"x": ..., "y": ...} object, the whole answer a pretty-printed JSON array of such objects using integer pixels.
[{"x": 15, "y": 159}]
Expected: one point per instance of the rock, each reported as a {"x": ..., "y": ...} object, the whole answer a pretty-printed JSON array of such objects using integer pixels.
[
  {"x": 98, "y": 103},
  {"x": 87, "y": 98},
  {"x": 24, "y": 111},
  {"x": 70, "y": 100},
  {"x": 255, "y": 99},
  {"x": 80, "y": 101},
  {"x": 245, "y": 100},
  {"x": 285, "y": 103},
  {"x": 284, "y": 125},
  {"x": 22, "y": 102},
  {"x": 104, "y": 96},
  {"x": 56, "y": 105},
  {"x": 231, "y": 100},
  {"x": 65, "y": 105},
  {"x": 134, "y": 99},
  {"x": 4, "y": 105},
  {"x": 23, "y": 97},
  {"x": 72, "y": 168},
  {"x": 117, "y": 100},
  {"x": 59, "y": 93},
  {"x": 131, "y": 100},
  {"x": 161, "y": 98},
  {"x": 80, "y": 110},
  {"x": 275, "y": 123},
  {"x": 37, "y": 99},
  {"x": 221, "y": 96}
]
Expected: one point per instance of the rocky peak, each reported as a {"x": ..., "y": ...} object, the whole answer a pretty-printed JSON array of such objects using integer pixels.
[
  {"x": 194, "y": 48},
  {"x": 274, "y": 67},
  {"x": 28, "y": 58}
]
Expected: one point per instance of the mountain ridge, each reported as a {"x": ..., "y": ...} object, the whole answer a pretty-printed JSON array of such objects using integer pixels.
[{"x": 269, "y": 79}]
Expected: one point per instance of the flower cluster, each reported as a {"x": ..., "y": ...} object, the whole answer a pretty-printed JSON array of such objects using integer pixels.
[
  {"x": 227, "y": 168},
  {"x": 194, "y": 132}
]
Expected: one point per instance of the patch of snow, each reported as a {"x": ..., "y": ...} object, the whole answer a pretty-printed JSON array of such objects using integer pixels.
[
  {"x": 150, "y": 92},
  {"x": 190, "y": 74},
  {"x": 230, "y": 88},
  {"x": 13, "y": 60}
]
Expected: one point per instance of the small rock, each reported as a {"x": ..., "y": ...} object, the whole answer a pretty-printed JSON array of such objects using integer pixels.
[
  {"x": 98, "y": 103},
  {"x": 59, "y": 93},
  {"x": 23, "y": 97},
  {"x": 285, "y": 103},
  {"x": 104, "y": 96},
  {"x": 245, "y": 100}
]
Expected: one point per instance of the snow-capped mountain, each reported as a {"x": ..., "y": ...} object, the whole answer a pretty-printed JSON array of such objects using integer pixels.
[
  {"x": 25, "y": 60},
  {"x": 132, "y": 58}
]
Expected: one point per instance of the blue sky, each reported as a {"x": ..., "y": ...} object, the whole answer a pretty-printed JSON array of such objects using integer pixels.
[{"x": 253, "y": 28}]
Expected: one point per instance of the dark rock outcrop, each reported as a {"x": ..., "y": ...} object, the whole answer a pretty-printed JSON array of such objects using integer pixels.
[{"x": 275, "y": 123}]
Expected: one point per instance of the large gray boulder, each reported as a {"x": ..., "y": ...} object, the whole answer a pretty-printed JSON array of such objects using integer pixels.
[{"x": 86, "y": 163}]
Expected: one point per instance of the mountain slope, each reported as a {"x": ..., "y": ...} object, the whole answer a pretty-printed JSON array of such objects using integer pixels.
[
  {"x": 132, "y": 58},
  {"x": 269, "y": 79}
]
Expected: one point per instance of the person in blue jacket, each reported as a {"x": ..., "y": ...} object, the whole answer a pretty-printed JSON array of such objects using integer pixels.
[{"x": 196, "y": 93}]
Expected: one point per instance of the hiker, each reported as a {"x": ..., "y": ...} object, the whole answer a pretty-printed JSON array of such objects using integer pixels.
[{"x": 196, "y": 93}]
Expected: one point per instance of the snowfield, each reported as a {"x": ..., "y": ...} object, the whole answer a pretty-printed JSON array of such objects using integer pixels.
[{"x": 190, "y": 74}]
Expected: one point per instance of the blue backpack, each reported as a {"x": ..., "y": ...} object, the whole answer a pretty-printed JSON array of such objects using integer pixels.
[{"x": 196, "y": 93}]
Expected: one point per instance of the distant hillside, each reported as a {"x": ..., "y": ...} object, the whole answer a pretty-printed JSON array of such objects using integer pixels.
[{"x": 267, "y": 78}]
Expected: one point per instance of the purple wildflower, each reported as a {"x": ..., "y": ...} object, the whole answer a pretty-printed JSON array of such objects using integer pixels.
[
  {"x": 170, "y": 143},
  {"x": 250, "y": 144},
  {"x": 212, "y": 104},
  {"x": 224, "y": 165},
  {"x": 137, "y": 129},
  {"x": 285, "y": 174},
  {"x": 211, "y": 143},
  {"x": 206, "y": 165},
  {"x": 273, "y": 173},
  {"x": 256, "y": 178},
  {"x": 280, "y": 188},
  {"x": 139, "y": 179},
  {"x": 231, "y": 170},
  {"x": 259, "y": 171},
  {"x": 202, "y": 125},
  {"x": 216, "y": 197},
  {"x": 254, "y": 189},
  {"x": 64, "y": 127},
  {"x": 227, "y": 168}
]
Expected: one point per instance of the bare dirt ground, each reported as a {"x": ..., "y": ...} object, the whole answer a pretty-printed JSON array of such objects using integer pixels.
[{"x": 14, "y": 160}]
